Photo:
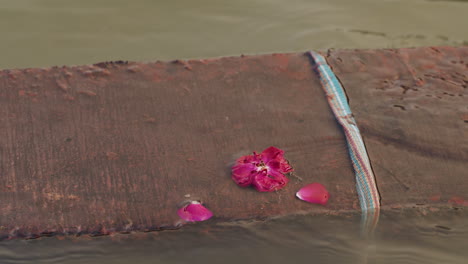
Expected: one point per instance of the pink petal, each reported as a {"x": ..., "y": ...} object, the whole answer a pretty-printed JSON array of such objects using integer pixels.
[
  {"x": 194, "y": 212},
  {"x": 274, "y": 165},
  {"x": 271, "y": 153},
  {"x": 264, "y": 182},
  {"x": 274, "y": 158},
  {"x": 280, "y": 165},
  {"x": 285, "y": 167},
  {"x": 243, "y": 174},
  {"x": 313, "y": 193}
]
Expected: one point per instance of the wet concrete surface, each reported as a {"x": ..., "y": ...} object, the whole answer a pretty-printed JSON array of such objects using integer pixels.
[{"x": 411, "y": 107}]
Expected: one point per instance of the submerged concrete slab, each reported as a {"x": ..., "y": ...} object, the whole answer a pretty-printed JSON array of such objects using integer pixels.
[{"x": 116, "y": 147}]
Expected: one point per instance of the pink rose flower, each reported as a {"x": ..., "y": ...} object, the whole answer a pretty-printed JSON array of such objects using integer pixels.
[{"x": 264, "y": 171}]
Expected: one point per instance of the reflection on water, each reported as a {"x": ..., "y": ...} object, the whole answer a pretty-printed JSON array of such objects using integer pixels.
[
  {"x": 407, "y": 236},
  {"x": 58, "y": 32}
]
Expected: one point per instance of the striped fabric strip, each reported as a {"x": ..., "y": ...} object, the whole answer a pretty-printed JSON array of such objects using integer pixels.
[{"x": 365, "y": 182}]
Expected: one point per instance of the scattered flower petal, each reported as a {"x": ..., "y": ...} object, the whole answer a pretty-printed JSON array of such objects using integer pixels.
[
  {"x": 194, "y": 212},
  {"x": 265, "y": 171},
  {"x": 313, "y": 193}
]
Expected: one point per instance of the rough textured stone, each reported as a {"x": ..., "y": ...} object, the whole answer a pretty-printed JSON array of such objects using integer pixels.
[{"x": 119, "y": 146}]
